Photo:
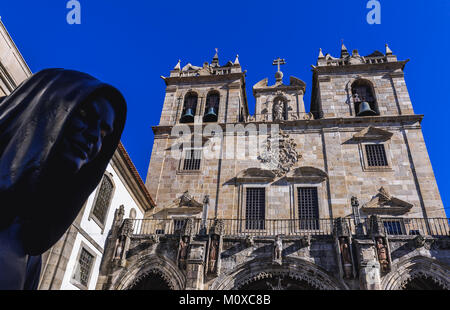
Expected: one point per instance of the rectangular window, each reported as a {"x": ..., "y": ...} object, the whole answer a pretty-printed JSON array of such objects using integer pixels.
[
  {"x": 255, "y": 213},
  {"x": 192, "y": 160},
  {"x": 178, "y": 224},
  {"x": 308, "y": 207},
  {"x": 394, "y": 227},
  {"x": 376, "y": 155},
  {"x": 84, "y": 267}
]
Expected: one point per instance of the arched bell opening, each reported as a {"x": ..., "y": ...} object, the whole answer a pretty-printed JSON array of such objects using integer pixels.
[
  {"x": 189, "y": 108},
  {"x": 212, "y": 107},
  {"x": 365, "y": 103}
]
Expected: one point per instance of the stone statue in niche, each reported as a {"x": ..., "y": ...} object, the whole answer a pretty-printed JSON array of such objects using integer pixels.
[
  {"x": 278, "y": 109},
  {"x": 183, "y": 252},
  {"x": 346, "y": 257},
  {"x": 278, "y": 250},
  {"x": 124, "y": 239},
  {"x": 213, "y": 254},
  {"x": 59, "y": 130},
  {"x": 382, "y": 254}
]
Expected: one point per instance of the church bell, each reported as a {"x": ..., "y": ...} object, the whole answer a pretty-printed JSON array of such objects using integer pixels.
[
  {"x": 365, "y": 110},
  {"x": 211, "y": 116},
  {"x": 188, "y": 117}
]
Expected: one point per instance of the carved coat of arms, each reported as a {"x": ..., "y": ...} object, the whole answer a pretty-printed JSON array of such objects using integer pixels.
[{"x": 279, "y": 153}]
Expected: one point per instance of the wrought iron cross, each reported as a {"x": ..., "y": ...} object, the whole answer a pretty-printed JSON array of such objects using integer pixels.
[{"x": 278, "y": 62}]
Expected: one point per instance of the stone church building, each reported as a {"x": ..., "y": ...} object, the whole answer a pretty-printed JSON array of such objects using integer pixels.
[{"x": 339, "y": 197}]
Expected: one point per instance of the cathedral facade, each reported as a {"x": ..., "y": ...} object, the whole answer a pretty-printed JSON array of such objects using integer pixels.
[{"x": 339, "y": 197}]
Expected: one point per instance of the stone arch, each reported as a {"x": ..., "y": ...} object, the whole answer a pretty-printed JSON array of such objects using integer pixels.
[
  {"x": 417, "y": 267},
  {"x": 285, "y": 106},
  {"x": 150, "y": 264},
  {"x": 372, "y": 96},
  {"x": 213, "y": 99},
  {"x": 294, "y": 268},
  {"x": 190, "y": 106}
]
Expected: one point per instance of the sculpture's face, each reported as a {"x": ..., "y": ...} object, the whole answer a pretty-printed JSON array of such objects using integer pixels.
[{"x": 86, "y": 130}]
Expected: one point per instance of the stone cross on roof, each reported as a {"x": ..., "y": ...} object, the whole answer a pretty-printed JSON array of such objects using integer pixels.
[{"x": 278, "y": 62}]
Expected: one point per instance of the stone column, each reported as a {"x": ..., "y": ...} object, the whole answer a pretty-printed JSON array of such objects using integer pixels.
[
  {"x": 369, "y": 267},
  {"x": 195, "y": 266},
  {"x": 369, "y": 275}
]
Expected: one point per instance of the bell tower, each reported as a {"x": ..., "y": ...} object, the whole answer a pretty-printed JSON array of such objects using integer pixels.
[
  {"x": 359, "y": 86},
  {"x": 212, "y": 93}
]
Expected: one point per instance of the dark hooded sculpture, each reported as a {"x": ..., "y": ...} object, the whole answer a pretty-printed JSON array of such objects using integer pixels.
[{"x": 58, "y": 131}]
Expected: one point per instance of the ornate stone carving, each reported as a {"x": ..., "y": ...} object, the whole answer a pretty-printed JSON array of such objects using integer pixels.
[
  {"x": 384, "y": 203},
  {"x": 154, "y": 238},
  {"x": 214, "y": 249},
  {"x": 249, "y": 241},
  {"x": 278, "y": 109},
  {"x": 341, "y": 228},
  {"x": 188, "y": 229},
  {"x": 183, "y": 252},
  {"x": 218, "y": 227},
  {"x": 186, "y": 200},
  {"x": 278, "y": 251},
  {"x": 373, "y": 134},
  {"x": 279, "y": 154},
  {"x": 196, "y": 253},
  {"x": 376, "y": 226},
  {"x": 382, "y": 252},
  {"x": 346, "y": 257}
]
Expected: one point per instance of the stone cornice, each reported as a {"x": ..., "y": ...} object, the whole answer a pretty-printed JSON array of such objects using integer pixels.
[
  {"x": 204, "y": 78},
  {"x": 317, "y": 124},
  {"x": 387, "y": 66}
]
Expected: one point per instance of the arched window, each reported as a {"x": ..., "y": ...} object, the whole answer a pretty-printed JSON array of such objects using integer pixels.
[
  {"x": 190, "y": 108},
  {"x": 364, "y": 98},
  {"x": 279, "y": 110},
  {"x": 212, "y": 107},
  {"x": 103, "y": 201}
]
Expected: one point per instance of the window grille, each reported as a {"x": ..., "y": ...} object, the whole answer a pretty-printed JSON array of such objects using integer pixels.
[
  {"x": 376, "y": 155},
  {"x": 308, "y": 207},
  {"x": 394, "y": 227},
  {"x": 178, "y": 224},
  {"x": 255, "y": 208},
  {"x": 192, "y": 160},
  {"x": 104, "y": 196},
  {"x": 84, "y": 267}
]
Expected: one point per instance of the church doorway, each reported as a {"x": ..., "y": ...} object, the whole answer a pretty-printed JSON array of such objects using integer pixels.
[
  {"x": 278, "y": 283},
  {"x": 151, "y": 282},
  {"x": 422, "y": 283}
]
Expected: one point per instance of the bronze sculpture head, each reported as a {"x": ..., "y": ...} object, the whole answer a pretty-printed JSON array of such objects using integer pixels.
[{"x": 58, "y": 131}]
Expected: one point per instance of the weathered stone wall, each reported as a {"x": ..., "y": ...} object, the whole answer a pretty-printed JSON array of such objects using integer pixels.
[{"x": 328, "y": 147}]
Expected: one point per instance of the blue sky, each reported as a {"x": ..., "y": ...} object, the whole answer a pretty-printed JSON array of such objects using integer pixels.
[{"x": 130, "y": 44}]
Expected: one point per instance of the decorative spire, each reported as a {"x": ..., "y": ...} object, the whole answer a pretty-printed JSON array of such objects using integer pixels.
[
  {"x": 215, "y": 61},
  {"x": 344, "y": 51},
  {"x": 321, "y": 54},
  {"x": 236, "y": 61},
  {"x": 178, "y": 66},
  {"x": 388, "y": 50},
  {"x": 279, "y": 75}
]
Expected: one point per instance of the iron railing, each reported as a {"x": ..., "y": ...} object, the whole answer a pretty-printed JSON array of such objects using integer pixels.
[
  {"x": 291, "y": 227},
  {"x": 416, "y": 226}
]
